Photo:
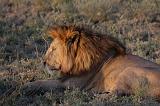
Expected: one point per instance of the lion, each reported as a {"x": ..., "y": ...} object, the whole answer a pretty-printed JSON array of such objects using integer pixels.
[{"x": 95, "y": 63}]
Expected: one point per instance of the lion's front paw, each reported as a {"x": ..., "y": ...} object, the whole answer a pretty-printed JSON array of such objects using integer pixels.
[
  {"x": 42, "y": 86},
  {"x": 32, "y": 88}
]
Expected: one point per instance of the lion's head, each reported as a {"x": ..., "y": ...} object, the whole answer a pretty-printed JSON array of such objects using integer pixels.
[{"x": 77, "y": 50}]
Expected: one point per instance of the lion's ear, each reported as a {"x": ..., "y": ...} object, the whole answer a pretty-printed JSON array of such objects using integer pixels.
[
  {"x": 53, "y": 34},
  {"x": 73, "y": 38}
]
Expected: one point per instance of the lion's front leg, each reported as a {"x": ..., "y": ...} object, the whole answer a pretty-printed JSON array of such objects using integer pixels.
[{"x": 42, "y": 86}]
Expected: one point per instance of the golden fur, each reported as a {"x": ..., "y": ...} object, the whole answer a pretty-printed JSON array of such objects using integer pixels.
[
  {"x": 97, "y": 63},
  {"x": 82, "y": 49}
]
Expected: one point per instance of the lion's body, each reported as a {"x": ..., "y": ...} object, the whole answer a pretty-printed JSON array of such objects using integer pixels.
[
  {"x": 127, "y": 74},
  {"x": 98, "y": 64},
  {"x": 123, "y": 75}
]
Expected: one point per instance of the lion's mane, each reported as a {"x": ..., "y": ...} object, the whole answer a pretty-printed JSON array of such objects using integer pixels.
[{"x": 86, "y": 49}]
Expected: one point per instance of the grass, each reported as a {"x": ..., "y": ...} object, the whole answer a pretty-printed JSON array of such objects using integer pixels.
[{"x": 23, "y": 42}]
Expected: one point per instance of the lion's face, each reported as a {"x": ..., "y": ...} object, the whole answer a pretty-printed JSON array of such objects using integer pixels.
[
  {"x": 73, "y": 51},
  {"x": 60, "y": 55},
  {"x": 52, "y": 57}
]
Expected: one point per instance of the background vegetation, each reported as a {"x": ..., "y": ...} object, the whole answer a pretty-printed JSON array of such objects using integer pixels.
[{"x": 23, "y": 42}]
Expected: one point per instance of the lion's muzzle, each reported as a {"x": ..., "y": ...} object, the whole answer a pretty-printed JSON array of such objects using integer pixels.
[{"x": 51, "y": 69}]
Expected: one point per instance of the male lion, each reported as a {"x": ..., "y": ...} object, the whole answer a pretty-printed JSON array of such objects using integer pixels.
[{"x": 94, "y": 63}]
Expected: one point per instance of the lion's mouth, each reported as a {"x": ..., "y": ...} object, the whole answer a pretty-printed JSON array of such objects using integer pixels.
[
  {"x": 54, "y": 69},
  {"x": 51, "y": 68}
]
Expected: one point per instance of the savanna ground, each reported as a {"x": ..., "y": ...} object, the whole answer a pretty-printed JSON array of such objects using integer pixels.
[{"x": 23, "y": 42}]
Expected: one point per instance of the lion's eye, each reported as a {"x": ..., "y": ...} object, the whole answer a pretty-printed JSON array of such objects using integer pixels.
[{"x": 53, "y": 49}]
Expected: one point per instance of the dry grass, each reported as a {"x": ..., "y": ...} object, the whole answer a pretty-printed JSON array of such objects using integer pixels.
[{"x": 23, "y": 42}]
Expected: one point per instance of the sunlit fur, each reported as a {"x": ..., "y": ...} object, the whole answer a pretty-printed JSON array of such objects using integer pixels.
[
  {"x": 81, "y": 49},
  {"x": 98, "y": 63}
]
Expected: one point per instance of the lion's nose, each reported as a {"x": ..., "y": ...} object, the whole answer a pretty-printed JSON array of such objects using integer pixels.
[{"x": 44, "y": 63}]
